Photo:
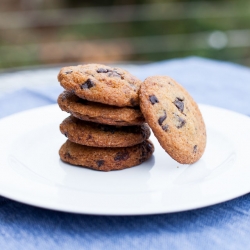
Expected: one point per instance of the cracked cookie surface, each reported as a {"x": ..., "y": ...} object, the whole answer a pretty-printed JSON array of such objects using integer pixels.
[
  {"x": 100, "y": 135},
  {"x": 174, "y": 117},
  {"x": 101, "y": 83},
  {"x": 98, "y": 112},
  {"x": 105, "y": 159}
]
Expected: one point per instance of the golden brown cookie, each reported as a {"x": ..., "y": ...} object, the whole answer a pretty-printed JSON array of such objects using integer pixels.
[
  {"x": 100, "y": 83},
  {"x": 174, "y": 117},
  {"x": 100, "y": 135},
  {"x": 98, "y": 112},
  {"x": 105, "y": 159}
]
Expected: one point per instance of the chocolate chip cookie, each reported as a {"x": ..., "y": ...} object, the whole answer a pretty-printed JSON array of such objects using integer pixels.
[
  {"x": 105, "y": 159},
  {"x": 100, "y": 135},
  {"x": 174, "y": 117},
  {"x": 98, "y": 112},
  {"x": 100, "y": 83}
]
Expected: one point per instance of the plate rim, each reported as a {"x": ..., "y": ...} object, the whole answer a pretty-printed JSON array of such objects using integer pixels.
[{"x": 119, "y": 213}]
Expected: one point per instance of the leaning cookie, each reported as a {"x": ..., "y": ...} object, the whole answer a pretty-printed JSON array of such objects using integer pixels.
[
  {"x": 100, "y": 135},
  {"x": 98, "y": 112},
  {"x": 174, "y": 117},
  {"x": 100, "y": 83},
  {"x": 105, "y": 159}
]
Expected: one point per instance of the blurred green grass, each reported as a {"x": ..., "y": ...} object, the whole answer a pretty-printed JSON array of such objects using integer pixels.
[{"x": 143, "y": 34}]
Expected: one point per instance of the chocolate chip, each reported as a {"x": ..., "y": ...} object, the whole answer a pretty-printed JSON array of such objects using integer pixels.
[
  {"x": 121, "y": 156},
  {"x": 181, "y": 121},
  {"x": 114, "y": 74},
  {"x": 143, "y": 154},
  {"x": 68, "y": 155},
  {"x": 180, "y": 98},
  {"x": 146, "y": 149},
  {"x": 100, "y": 163},
  {"x": 162, "y": 118},
  {"x": 101, "y": 70},
  {"x": 88, "y": 84},
  {"x": 68, "y": 72},
  {"x": 195, "y": 148},
  {"x": 153, "y": 99},
  {"x": 179, "y": 104},
  {"x": 149, "y": 148},
  {"x": 165, "y": 127},
  {"x": 66, "y": 134}
]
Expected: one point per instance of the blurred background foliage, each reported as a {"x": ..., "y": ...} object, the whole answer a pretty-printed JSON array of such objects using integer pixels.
[{"x": 42, "y": 32}]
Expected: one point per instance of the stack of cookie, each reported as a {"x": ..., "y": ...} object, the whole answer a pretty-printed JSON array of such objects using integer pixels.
[{"x": 106, "y": 129}]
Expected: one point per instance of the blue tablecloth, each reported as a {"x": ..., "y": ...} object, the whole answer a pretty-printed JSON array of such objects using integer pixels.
[{"x": 222, "y": 226}]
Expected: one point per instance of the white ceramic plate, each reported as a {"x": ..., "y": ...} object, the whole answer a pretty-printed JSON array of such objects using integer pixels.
[{"x": 31, "y": 171}]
